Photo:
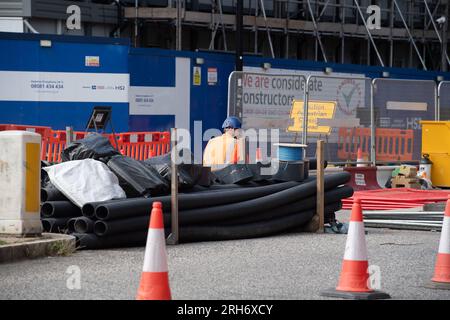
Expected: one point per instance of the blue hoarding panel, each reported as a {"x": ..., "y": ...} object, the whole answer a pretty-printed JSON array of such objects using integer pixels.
[
  {"x": 31, "y": 97},
  {"x": 59, "y": 115},
  {"x": 154, "y": 71},
  {"x": 62, "y": 57},
  {"x": 151, "y": 122}
]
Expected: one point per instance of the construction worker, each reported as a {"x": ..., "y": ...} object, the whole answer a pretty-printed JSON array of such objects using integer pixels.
[{"x": 227, "y": 148}]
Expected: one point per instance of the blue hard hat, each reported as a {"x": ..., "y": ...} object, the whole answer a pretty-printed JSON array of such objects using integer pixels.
[{"x": 232, "y": 122}]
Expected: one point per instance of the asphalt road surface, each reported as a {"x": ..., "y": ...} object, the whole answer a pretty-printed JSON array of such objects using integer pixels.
[{"x": 290, "y": 266}]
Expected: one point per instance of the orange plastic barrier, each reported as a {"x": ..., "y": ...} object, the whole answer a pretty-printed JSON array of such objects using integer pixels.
[
  {"x": 143, "y": 145},
  {"x": 51, "y": 148},
  {"x": 390, "y": 144},
  {"x": 43, "y": 131},
  {"x": 138, "y": 145}
]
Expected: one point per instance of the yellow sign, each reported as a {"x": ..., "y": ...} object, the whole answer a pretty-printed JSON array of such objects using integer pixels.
[
  {"x": 32, "y": 177},
  {"x": 316, "y": 110},
  {"x": 197, "y": 78}
]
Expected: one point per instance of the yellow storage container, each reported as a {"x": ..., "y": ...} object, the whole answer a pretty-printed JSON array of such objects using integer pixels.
[{"x": 436, "y": 143}]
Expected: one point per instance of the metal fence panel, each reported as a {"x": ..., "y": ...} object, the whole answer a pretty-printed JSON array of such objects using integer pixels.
[
  {"x": 399, "y": 106},
  {"x": 340, "y": 111},
  {"x": 444, "y": 100},
  {"x": 264, "y": 100}
]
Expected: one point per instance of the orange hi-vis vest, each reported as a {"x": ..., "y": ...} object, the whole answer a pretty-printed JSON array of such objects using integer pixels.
[{"x": 223, "y": 150}]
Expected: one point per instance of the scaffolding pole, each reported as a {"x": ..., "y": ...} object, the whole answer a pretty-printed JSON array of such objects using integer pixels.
[
  {"x": 256, "y": 28},
  {"x": 286, "y": 32},
  {"x": 136, "y": 8},
  {"x": 444, "y": 41},
  {"x": 370, "y": 37},
  {"x": 316, "y": 33},
  {"x": 320, "y": 23},
  {"x": 391, "y": 38},
  {"x": 427, "y": 8},
  {"x": 267, "y": 28},
  {"x": 179, "y": 40},
  {"x": 214, "y": 26},
  {"x": 342, "y": 34},
  {"x": 411, "y": 39}
]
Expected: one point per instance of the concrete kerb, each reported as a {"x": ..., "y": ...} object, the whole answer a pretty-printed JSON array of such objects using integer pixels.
[{"x": 52, "y": 244}]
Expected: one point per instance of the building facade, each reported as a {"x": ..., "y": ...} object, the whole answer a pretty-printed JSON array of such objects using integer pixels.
[{"x": 411, "y": 33}]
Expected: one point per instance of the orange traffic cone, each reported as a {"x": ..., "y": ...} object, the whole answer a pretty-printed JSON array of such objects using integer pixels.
[
  {"x": 360, "y": 158},
  {"x": 354, "y": 279},
  {"x": 155, "y": 276},
  {"x": 441, "y": 278}
]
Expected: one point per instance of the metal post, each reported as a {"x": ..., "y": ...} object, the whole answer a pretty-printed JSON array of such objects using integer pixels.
[
  {"x": 391, "y": 38},
  {"x": 256, "y": 28},
  {"x": 179, "y": 30},
  {"x": 136, "y": 9},
  {"x": 437, "y": 102},
  {"x": 69, "y": 135},
  {"x": 320, "y": 186},
  {"x": 444, "y": 66},
  {"x": 174, "y": 235},
  {"x": 372, "y": 124},
  {"x": 305, "y": 111},
  {"x": 424, "y": 47},
  {"x": 316, "y": 49},
  {"x": 342, "y": 32},
  {"x": 239, "y": 23},
  {"x": 286, "y": 31}
]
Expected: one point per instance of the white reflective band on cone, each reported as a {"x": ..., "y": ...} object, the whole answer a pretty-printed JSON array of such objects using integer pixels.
[
  {"x": 155, "y": 259},
  {"x": 355, "y": 248},
  {"x": 444, "y": 244}
]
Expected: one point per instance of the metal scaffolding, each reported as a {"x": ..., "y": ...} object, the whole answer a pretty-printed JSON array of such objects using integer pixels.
[{"x": 413, "y": 33}]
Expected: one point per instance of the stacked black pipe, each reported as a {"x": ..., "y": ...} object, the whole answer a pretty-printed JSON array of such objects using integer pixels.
[
  {"x": 220, "y": 213},
  {"x": 57, "y": 215},
  {"x": 251, "y": 204},
  {"x": 246, "y": 209}
]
